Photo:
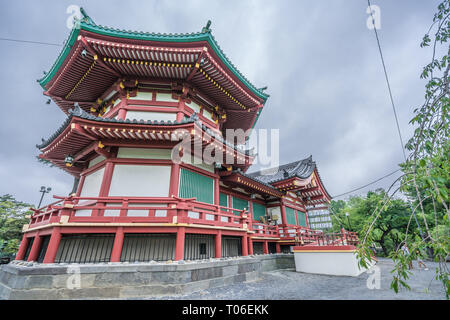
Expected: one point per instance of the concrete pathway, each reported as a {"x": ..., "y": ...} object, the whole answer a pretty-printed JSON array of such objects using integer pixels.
[{"x": 288, "y": 284}]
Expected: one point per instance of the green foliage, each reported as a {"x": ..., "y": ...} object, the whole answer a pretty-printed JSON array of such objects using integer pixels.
[
  {"x": 12, "y": 217},
  {"x": 388, "y": 229},
  {"x": 426, "y": 177}
]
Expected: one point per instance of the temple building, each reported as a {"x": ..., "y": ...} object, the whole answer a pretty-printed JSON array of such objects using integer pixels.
[{"x": 131, "y": 98}]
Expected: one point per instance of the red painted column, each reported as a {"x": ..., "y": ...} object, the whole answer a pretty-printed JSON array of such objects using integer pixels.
[
  {"x": 53, "y": 246},
  {"x": 34, "y": 252},
  {"x": 122, "y": 113},
  {"x": 250, "y": 245},
  {"x": 266, "y": 247},
  {"x": 118, "y": 244},
  {"x": 107, "y": 176},
  {"x": 216, "y": 191},
  {"x": 180, "y": 113},
  {"x": 174, "y": 179},
  {"x": 278, "y": 247},
  {"x": 179, "y": 249},
  {"x": 283, "y": 214},
  {"x": 245, "y": 245},
  {"x": 80, "y": 185},
  {"x": 23, "y": 248},
  {"x": 218, "y": 245}
]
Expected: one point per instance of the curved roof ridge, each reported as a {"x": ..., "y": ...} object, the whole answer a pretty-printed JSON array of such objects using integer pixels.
[
  {"x": 86, "y": 23},
  {"x": 78, "y": 112}
]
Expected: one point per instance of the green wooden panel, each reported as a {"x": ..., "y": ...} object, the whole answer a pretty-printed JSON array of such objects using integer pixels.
[
  {"x": 223, "y": 200},
  {"x": 194, "y": 185},
  {"x": 239, "y": 204},
  {"x": 258, "y": 211},
  {"x": 290, "y": 216},
  {"x": 301, "y": 218}
]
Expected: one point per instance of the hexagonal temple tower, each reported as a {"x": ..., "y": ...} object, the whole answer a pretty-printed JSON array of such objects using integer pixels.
[{"x": 131, "y": 100}]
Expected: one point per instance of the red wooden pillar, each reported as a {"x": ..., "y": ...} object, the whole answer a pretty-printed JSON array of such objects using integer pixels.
[
  {"x": 179, "y": 249},
  {"x": 245, "y": 245},
  {"x": 118, "y": 244},
  {"x": 107, "y": 177},
  {"x": 266, "y": 247},
  {"x": 180, "y": 113},
  {"x": 174, "y": 179},
  {"x": 34, "y": 252},
  {"x": 23, "y": 248},
  {"x": 218, "y": 245},
  {"x": 122, "y": 113},
  {"x": 250, "y": 245},
  {"x": 216, "y": 191},
  {"x": 283, "y": 214},
  {"x": 278, "y": 247},
  {"x": 80, "y": 185},
  {"x": 53, "y": 245}
]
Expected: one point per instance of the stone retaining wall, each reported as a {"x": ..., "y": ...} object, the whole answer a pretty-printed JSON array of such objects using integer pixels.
[{"x": 22, "y": 280}]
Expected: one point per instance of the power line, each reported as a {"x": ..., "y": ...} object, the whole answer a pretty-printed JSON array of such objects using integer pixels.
[
  {"x": 351, "y": 191},
  {"x": 393, "y": 108},
  {"x": 29, "y": 41},
  {"x": 387, "y": 81}
]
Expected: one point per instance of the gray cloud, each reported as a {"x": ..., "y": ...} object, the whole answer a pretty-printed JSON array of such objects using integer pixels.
[{"x": 319, "y": 60}]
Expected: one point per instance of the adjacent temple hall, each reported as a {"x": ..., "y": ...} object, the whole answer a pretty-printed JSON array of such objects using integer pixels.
[{"x": 130, "y": 98}]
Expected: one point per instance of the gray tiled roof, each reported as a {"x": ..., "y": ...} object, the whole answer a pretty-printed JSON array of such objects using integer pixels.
[
  {"x": 80, "y": 113},
  {"x": 239, "y": 171},
  {"x": 301, "y": 169}
]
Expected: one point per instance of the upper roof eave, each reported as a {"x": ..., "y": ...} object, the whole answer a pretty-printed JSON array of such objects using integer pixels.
[{"x": 88, "y": 25}]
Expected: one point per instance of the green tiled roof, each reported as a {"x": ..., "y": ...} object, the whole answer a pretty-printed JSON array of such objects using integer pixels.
[{"x": 87, "y": 24}]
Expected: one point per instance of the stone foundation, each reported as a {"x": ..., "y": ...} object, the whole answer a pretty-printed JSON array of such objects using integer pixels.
[{"x": 22, "y": 280}]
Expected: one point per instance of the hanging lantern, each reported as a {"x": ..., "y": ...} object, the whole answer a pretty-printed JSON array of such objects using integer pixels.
[{"x": 69, "y": 161}]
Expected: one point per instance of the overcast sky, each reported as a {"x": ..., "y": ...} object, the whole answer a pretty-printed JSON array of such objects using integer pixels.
[{"x": 328, "y": 95}]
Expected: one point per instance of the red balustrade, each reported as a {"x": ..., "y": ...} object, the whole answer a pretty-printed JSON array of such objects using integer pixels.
[{"x": 178, "y": 210}]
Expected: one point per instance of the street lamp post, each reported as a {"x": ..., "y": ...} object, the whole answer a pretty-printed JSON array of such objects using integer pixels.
[{"x": 44, "y": 190}]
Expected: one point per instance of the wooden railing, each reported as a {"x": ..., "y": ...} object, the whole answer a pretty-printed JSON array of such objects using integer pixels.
[
  {"x": 139, "y": 209},
  {"x": 178, "y": 210}
]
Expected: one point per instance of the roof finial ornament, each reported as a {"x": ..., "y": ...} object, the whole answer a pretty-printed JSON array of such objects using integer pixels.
[
  {"x": 85, "y": 17},
  {"x": 206, "y": 28},
  {"x": 263, "y": 88}
]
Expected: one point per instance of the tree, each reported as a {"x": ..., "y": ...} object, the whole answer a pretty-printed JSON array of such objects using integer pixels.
[
  {"x": 425, "y": 178},
  {"x": 13, "y": 215},
  {"x": 387, "y": 229}
]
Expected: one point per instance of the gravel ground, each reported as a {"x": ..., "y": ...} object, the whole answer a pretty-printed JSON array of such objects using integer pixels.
[{"x": 288, "y": 284}]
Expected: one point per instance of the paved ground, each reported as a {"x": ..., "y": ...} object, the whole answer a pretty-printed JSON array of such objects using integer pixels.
[{"x": 288, "y": 284}]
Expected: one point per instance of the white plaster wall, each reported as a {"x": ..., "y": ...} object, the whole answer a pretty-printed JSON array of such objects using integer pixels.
[
  {"x": 92, "y": 183},
  {"x": 144, "y": 153},
  {"x": 150, "y": 115},
  {"x": 194, "y": 106},
  {"x": 207, "y": 115},
  {"x": 331, "y": 263},
  {"x": 143, "y": 96},
  {"x": 112, "y": 212},
  {"x": 140, "y": 181},
  {"x": 165, "y": 97},
  {"x": 94, "y": 161},
  {"x": 189, "y": 159}
]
